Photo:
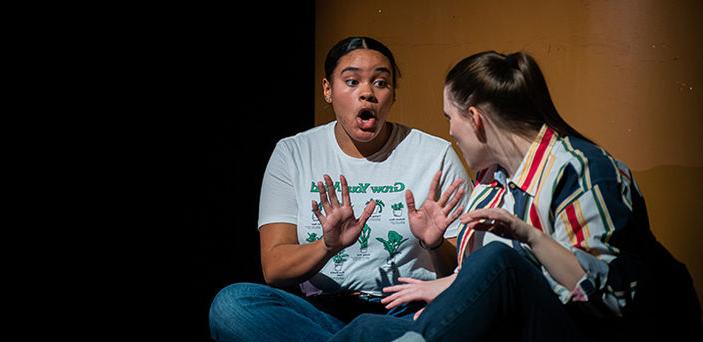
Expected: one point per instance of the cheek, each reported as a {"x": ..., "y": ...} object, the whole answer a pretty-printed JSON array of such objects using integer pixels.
[
  {"x": 463, "y": 140},
  {"x": 457, "y": 131}
]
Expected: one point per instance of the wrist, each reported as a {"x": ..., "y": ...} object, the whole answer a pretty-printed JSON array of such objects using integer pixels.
[
  {"x": 535, "y": 236},
  {"x": 329, "y": 249},
  {"x": 431, "y": 248}
]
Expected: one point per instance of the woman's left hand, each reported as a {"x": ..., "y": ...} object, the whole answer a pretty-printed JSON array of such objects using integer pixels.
[
  {"x": 500, "y": 222},
  {"x": 416, "y": 290},
  {"x": 431, "y": 220}
]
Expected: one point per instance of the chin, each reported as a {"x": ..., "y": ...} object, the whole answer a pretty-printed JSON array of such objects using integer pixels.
[{"x": 364, "y": 136}]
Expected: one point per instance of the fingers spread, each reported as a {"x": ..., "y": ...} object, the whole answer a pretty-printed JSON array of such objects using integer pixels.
[
  {"x": 331, "y": 193},
  {"x": 346, "y": 200},
  {"x": 323, "y": 197},
  {"x": 367, "y": 212},
  {"x": 434, "y": 185},
  {"x": 450, "y": 190},
  {"x": 454, "y": 201},
  {"x": 316, "y": 211},
  {"x": 455, "y": 214}
]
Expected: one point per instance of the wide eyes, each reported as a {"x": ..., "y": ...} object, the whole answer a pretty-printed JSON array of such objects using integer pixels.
[{"x": 379, "y": 83}]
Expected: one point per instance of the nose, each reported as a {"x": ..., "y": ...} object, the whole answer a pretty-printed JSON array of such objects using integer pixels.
[{"x": 367, "y": 94}]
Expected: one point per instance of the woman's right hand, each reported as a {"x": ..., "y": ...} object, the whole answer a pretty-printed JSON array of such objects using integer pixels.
[{"x": 339, "y": 226}]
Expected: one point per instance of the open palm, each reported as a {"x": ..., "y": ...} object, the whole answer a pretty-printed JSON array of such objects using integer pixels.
[
  {"x": 430, "y": 221},
  {"x": 339, "y": 226}
]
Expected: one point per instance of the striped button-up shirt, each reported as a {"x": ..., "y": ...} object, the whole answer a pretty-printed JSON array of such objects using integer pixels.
[{"x": 575, "y": 192}]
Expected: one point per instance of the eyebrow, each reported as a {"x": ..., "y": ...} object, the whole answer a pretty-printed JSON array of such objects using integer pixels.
[{"x": 355, "y": 69}]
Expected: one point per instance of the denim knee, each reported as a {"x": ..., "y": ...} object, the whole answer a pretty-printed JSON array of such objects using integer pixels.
[
  {"x": 498, "y": 249},
  {"x": 494, "y": 254},
  {"x": 229, "y": 301}
]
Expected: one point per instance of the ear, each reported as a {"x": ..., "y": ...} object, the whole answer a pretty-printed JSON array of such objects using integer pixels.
[
  {"x": 477, "y": 122},
  {"x": 476, "y": 118},
  {"x": 327, "y": 90}
]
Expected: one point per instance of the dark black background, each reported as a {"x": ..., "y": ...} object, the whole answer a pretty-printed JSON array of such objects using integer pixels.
[
  {"x": 181, "y": 106},
  {"x": 248, "y": 78}
]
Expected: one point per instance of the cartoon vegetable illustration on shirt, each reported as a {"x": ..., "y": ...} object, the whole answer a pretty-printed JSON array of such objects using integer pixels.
[
  {"x": 312, "y": 237},
  {"x": 393, "y": 243},
  {"x": 397, "y": 208},
  {"x": 364, "y": 238},
  {"x": 379, "y": 205},
  {"x": 339, "y": 260}
]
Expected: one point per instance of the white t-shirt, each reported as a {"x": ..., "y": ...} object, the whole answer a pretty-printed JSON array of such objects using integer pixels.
[{"x": 386, "y": 248}]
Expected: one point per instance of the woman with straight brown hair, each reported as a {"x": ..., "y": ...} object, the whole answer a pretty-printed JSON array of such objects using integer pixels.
[{"x": 555, "y": 245}]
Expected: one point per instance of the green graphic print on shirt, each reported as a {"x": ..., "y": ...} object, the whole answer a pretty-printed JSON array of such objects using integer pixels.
[
  {"x": 339, "y": 260},
  {"x": 312, "y": 237},
  {"x": 379, "y": 205},
  {"x": 393, "y": 243},
  {"x": 363, "y": 188},
  {"x": 364, "y": 238},
  {"x": 397, "y": 209}
]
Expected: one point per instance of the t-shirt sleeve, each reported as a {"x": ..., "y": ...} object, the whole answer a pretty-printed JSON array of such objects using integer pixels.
[
  {"x": 277, "y": 202},
  {"x": 452, "y": 168}
]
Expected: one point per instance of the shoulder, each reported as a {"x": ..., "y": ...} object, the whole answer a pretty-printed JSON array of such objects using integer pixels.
[
  {"x": 590, "y": 163},
  {"x": 421, "y": 139}
]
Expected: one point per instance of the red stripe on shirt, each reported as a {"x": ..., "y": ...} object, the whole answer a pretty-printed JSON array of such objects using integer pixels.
[
  {"x": 534, "y": 217},
  {"x": 537, "y": 160},
  {"x": 575, "y": 225},
  {"x": 496, "y": 199}
]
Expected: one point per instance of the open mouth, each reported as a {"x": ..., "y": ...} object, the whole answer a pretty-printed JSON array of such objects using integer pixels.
[
  {"x": 366, "y": 118},
  {"x": 366, "y": 114}
]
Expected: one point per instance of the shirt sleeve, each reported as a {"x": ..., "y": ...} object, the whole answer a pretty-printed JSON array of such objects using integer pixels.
[
  {"x": 584, "y": 221},
  {"x": 277, "y": 202},
  {"x": 452, "y": 168}
]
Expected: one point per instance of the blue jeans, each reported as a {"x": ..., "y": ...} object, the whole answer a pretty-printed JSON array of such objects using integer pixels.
[
  {"x": 255, "y": 312},
  {"x": 497, "y": 295}
]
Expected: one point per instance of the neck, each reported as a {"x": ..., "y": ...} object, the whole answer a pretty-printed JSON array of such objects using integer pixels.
[
  {"x": 511, "y": 149},
  {"x": 359, "y": 149}
]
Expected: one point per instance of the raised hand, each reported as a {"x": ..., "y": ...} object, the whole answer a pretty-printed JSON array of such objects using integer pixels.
[
  {"x": 430, "y": 221},
  {"x": 339, "y": 226},
  {"x": 500, "y": 222}
]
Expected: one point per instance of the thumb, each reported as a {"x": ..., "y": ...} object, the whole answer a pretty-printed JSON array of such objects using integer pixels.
[{"x": 410, "y": 200}]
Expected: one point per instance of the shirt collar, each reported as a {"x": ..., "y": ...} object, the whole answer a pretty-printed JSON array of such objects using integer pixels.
[{"x": 530, "y": 170}]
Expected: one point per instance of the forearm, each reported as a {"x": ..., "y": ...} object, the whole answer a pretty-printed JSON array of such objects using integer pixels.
[
  {"x": 290, "y": 264},
  {"x": 444, "y": 257},
  {"x": 561, "y": 264}
]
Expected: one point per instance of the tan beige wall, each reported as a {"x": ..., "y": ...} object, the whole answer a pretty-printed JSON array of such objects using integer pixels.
[{"x": 628, "y": 74}]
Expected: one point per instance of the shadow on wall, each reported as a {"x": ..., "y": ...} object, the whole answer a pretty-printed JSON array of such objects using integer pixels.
[{"x": 674, "y": 203}]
